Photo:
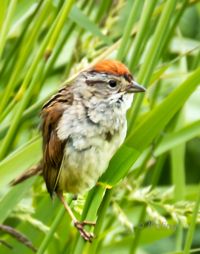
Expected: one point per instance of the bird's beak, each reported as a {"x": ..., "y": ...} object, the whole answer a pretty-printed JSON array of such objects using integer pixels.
[{"x": 134, "y": 87}]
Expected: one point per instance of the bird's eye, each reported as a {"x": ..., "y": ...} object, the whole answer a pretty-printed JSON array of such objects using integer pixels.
[{"x": 112, "y": 83}]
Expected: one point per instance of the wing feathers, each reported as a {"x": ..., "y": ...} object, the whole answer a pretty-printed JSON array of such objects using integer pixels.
[{"x": 53, "y": 147}]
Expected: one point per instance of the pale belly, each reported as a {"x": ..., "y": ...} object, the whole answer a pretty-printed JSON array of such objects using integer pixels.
[
  {"x": 81, "y": 169},
  {"x": 89, "y": 146}
]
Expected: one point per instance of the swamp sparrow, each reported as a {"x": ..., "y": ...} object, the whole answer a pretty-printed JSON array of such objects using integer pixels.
[{"x": 83, "y": 125}]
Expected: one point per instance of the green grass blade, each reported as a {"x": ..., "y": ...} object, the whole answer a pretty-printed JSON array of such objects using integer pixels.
[
  {"x": 6, "y": 25},
  {"x": 78, "y": 17},
  {"x": 19, "y": 161},
  {"x": 151, "y": 57},
  {"x": 191, "y": 229},
  {"x": 145, "y": 132},
  {"x": 12, "y": 198},
  {"x": 178, "y": 137},
  {"x": 50, "y": 235},
  {"x": 11, "y": 132},
  {"x": 143, "y": 27},
  {"x": 128, "y": 28},
  {"x": 25, "y": 50}
]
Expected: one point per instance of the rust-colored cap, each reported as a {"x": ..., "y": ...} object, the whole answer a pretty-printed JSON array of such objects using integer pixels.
[{"x": 112, "y": 67}]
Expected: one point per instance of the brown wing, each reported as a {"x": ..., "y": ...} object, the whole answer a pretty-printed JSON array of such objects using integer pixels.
[{"x": 53, "y": 147}]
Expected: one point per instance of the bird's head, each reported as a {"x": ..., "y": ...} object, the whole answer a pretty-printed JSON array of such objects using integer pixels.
[{"x": 109, "y": 79}]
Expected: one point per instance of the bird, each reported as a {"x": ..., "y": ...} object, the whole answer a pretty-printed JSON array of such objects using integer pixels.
[{"x": 83, "y": 125}]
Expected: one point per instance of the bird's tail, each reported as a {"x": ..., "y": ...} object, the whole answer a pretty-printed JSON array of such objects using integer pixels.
[{"x": 34, "y": 170}]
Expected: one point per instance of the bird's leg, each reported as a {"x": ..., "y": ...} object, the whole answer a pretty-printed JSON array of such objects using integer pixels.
[{"x": 78, "y": 224}]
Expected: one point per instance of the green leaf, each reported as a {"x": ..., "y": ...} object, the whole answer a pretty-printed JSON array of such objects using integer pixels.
[
  {"x": 178, "y": 137},
  {"x": 79, "y": 17},
  {"x": 157, "y": 119},
  {"x": 13, "y": 197},
  {"x": 20, "y": 160},
  {"x": 120, "y": 163}
]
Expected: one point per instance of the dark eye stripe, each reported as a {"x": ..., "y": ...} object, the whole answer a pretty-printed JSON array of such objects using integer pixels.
[{"x": 93, "y": 82}]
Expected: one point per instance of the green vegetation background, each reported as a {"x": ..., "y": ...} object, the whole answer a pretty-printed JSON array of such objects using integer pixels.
[{"x": 153, "y": 205}]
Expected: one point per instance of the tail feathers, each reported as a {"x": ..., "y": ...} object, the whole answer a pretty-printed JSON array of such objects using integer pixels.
[{"x": 35, "y": 170}]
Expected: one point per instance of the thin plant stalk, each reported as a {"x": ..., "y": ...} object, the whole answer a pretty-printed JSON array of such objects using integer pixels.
[
  {"x": 6, "y": 25},
  {"x": 137, "y": 233},
  {"x": 24, "y": 53},
  {"x": 9, "y": 137},
  {"x": 143, "y": 27},
  {"x": 128, "y": 28},
  {"x": 54, "y": 225},
  {"x": 191, "y": 229},
  {"x": 99, "y": 224},
  {"x": 151, "y": 58}
]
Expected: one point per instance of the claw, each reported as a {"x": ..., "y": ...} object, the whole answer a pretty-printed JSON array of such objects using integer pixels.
[{"x": 86, "y": 235}]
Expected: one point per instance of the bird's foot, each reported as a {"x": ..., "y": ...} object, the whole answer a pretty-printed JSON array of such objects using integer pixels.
[{"x": 80, "y": 226}]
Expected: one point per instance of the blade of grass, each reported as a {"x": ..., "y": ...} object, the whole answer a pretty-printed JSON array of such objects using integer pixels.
[
  {"x": 143, "y": 27},
  {"x": 120, "y": 163},
  {"x": 177, "y": 167},
  {"x": 177, "y": 155},
  {"x": 136, "y": 239},
  {"x": 24, "y": 53},
  {"x": 191, "y": 229},
  {"x": 91, "y": 213},
  {"x": 104, "y": 6},
  {"x": 178, "y": 137},
  {"x": 162, "y": 113},
  {"x": 11, "y": 57},
  {"x": 15, "y": 123},
  {"x": 20, "y": 160},
  {"x": 13, "y": 197},
  {"x": 49, "y": 236},
  {"x": 3, "y": 9},
  {"x": 127, "y": 29},
  {"x": 92, "y": 248},
  {"x": 46, "y": 72},
  {"x": 6, "y": 25},
  {"x": 151, "y": 57},
  {"x": 78, "y": 17},
  {"x": 175, "y": 21},
  {"x": 157, "y": 170},
  {"x": 60, "y": 215}
]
